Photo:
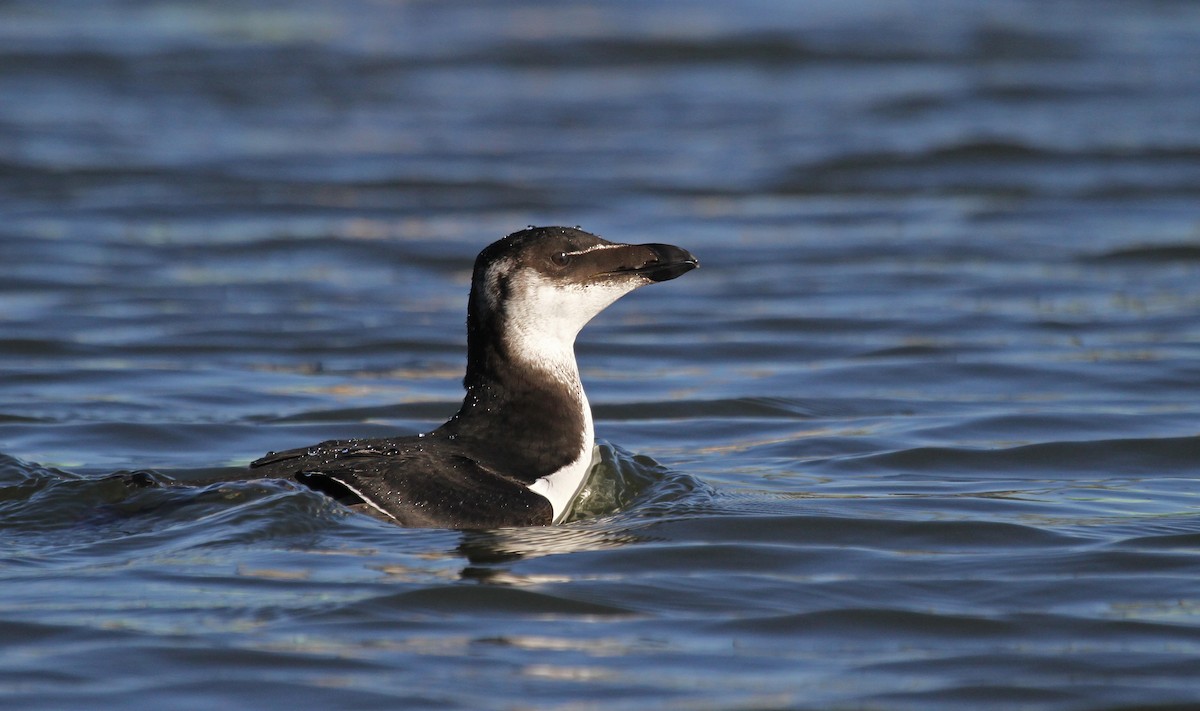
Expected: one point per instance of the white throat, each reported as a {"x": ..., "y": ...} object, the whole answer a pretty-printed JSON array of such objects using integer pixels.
[{"x": 543, "y": 317}]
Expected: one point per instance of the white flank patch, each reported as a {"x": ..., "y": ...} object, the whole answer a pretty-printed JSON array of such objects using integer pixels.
[{"x": 366, "y": 499}]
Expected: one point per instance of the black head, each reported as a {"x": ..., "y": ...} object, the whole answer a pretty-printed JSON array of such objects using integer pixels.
[
  {"x": 569, "y": 255},
  {"x": 535, "y": 289}
]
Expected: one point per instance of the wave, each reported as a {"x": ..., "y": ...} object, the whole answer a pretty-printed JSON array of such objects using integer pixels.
[{"x": 1006, "y": 166}]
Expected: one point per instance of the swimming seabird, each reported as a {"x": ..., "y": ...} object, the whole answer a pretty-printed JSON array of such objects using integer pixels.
[{"x": 520, "y": 447}]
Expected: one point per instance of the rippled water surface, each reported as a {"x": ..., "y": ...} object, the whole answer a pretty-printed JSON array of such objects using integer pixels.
[{"x": 922, "y": 433}]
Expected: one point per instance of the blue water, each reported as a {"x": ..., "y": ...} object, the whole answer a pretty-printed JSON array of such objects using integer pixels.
[{"x": 922, "y": 433}]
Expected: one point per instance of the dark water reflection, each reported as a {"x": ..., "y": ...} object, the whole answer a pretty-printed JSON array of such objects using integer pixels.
[{"x": 923, "y": 430}]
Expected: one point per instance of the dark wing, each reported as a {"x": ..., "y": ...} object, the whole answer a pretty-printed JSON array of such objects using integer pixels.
[
  {"x": 398, "y": 479},
  {"x": 333, "y": 449}
]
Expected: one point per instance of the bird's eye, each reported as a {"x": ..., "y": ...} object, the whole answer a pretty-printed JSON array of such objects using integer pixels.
[{"x": 560, "y": 259}]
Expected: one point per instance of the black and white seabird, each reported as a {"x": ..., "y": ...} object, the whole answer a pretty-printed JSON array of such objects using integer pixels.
[{"x": 520, "y": 447}]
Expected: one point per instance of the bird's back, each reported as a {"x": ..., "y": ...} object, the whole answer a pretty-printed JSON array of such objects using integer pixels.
[{"x": 413, "y": 481}]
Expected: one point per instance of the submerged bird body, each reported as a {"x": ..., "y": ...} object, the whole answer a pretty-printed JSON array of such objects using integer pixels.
[{"x": 520, "y": 447}]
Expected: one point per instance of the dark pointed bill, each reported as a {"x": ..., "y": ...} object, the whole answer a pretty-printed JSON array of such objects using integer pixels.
[
  {"x": 671, "y": 261},
  {"x": 656, "y": 262}
]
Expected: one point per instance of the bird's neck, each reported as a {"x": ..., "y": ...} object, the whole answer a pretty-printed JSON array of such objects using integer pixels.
[{"x": 525, "y": 405}]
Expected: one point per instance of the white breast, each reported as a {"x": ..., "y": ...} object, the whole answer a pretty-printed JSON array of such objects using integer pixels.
[{"x": 561, "y": 487}]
